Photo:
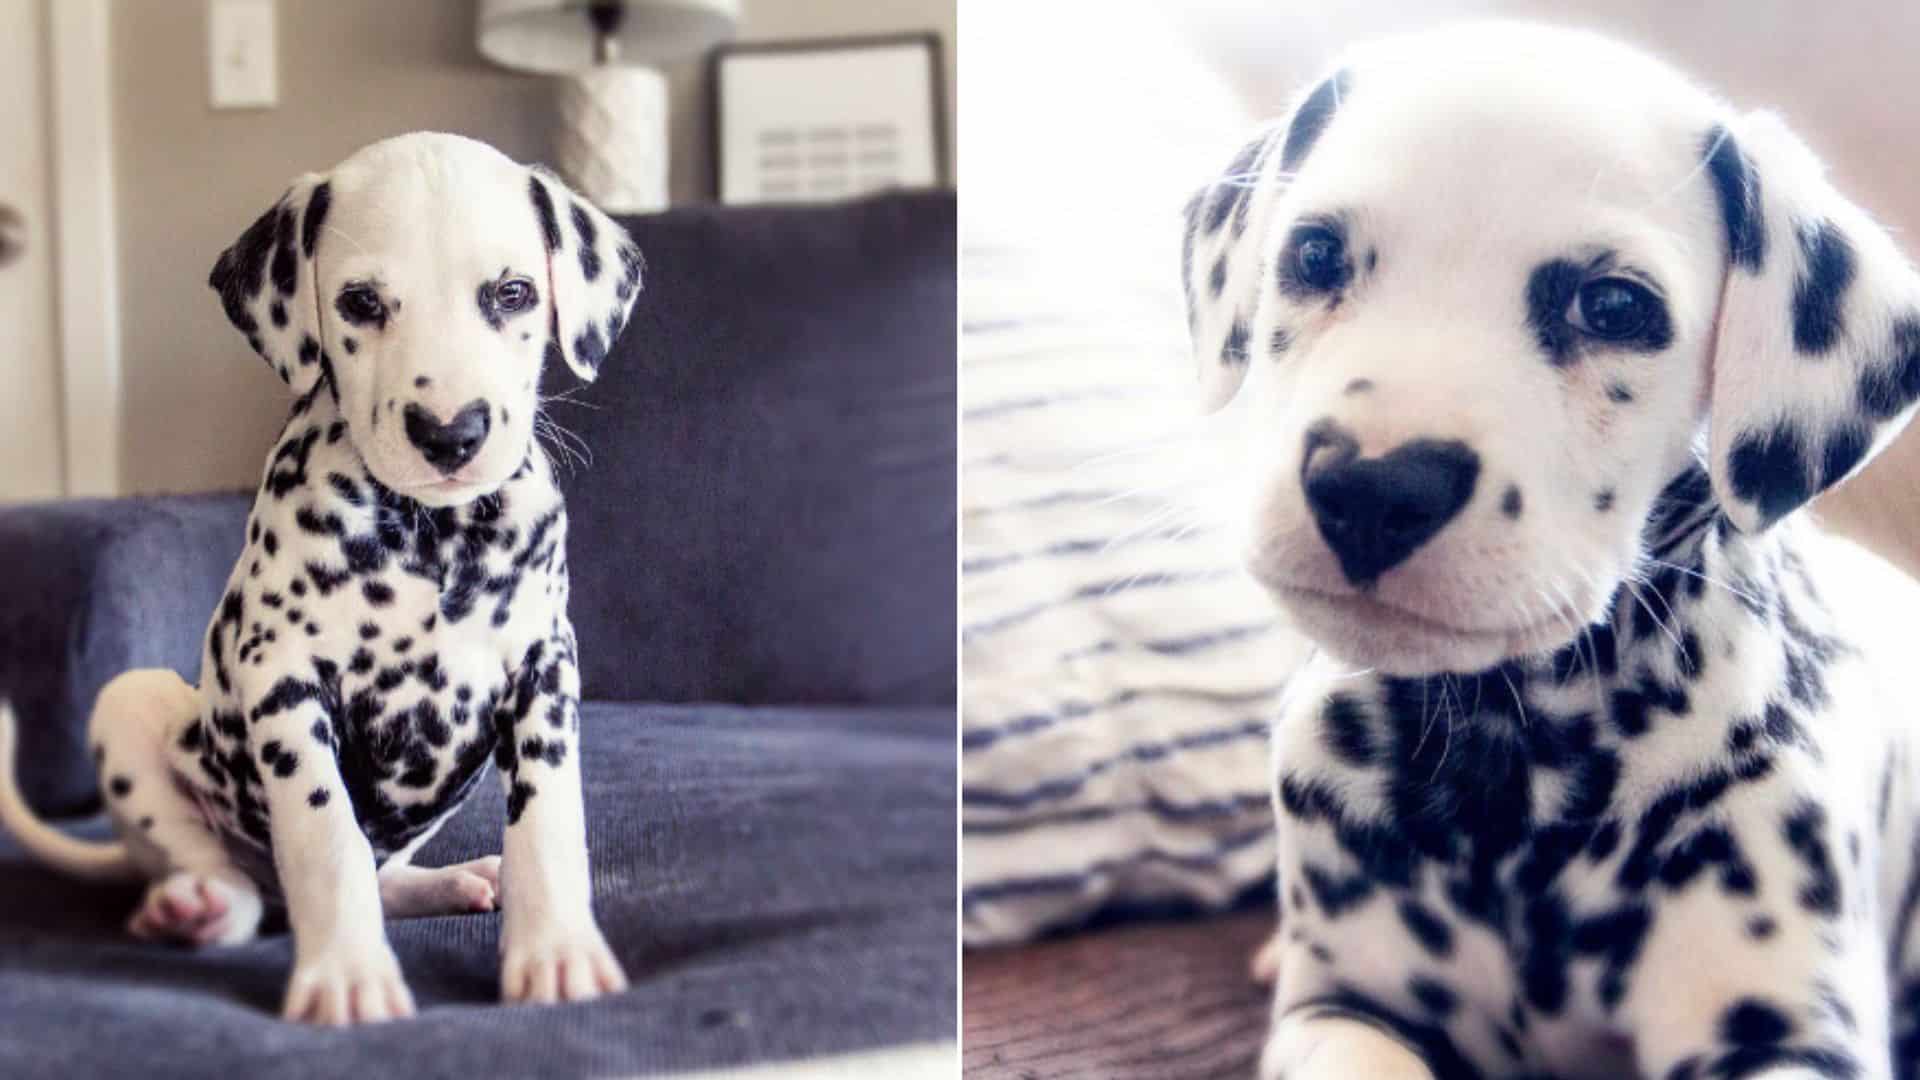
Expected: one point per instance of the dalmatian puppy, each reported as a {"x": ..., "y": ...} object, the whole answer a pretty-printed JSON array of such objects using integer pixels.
[
  {"x": 1528, "y": 351},
  {"x": 398, "y": 617}
]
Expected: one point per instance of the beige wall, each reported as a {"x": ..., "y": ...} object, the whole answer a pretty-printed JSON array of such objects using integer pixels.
[{"x": 351, "y": 71}]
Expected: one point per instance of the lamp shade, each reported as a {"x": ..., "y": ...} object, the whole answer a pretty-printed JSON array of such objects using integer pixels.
[{"x": 556, "y": 36}]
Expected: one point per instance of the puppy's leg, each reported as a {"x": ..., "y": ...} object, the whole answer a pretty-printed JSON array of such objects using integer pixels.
[
  {"x": 1808, "y": 999},
  {"x": 197, "y": 896},
  {"x": 412, "y": 892},
  {"x": 552, "y": 948},
  {"x": 343, "y": 969},
  {"x": 1323, "y": 1044}
]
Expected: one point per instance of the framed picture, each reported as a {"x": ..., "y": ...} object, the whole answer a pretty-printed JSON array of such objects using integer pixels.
[{"x": 812, "y": 121}]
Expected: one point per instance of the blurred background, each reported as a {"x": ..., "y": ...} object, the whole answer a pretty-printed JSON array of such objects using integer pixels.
[
  {"x": 1118, "y": 669},
  {"x": 122, "y": 177}
]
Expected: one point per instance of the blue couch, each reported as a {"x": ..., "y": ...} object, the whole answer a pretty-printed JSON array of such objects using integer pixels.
[{"x": 763, "y": 555}]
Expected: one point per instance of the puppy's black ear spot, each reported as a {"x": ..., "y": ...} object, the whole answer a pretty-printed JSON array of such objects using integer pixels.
[
  {"x": 1888, "y": 388},
  {"x": 1233, "y": 351},
  {"x": 317, "y": 206},
  {"x": 1769, "y": 469},
  {"x": 286, "y": 258},
  {"x": 1233, "y": 191},
  {"x": 1737, "y": 186},
  {"x": 1312, "y": 119},
  {"x": 1846, "y": 446},
  {"x": 589, "y": 255},
  {"x": 241, "y": 271},
  {"x": 1603, "y": 500},
  {"x": 589, "y": 347},
  {"x": 543, "y": 209},
  {"x": 1819, "y": 290}
]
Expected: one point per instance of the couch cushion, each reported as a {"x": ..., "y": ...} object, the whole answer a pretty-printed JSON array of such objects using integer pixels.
[
  {"x": 778, "y": 883},
  {"x": 91, "y": 588},
  {"x": 769, "y": 515}
]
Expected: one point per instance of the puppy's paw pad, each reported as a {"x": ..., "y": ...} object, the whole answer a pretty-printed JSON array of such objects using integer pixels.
[
  {"x": 556, "y": 964},
  {"x": 348, "y": 985},
  {"x": 197, "y": 909}
]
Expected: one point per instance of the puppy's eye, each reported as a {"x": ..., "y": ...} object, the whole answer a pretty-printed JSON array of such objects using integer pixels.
[
  {"x": 1318, "y": 258},
  {"x": 1613, "y": 308},
  {"x": 515, "y": 294},
  {"x": 360, "y": 304}
]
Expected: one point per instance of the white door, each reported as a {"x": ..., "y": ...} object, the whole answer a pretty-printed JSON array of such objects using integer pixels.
[{"x": 30, "y": 403}]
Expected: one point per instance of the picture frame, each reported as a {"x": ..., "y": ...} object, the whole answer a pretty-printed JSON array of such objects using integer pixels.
[{"x": 824, "y": 119}]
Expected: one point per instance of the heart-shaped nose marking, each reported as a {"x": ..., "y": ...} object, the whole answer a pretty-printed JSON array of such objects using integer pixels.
[
  {"x": 452, "y": 444},
  {"x": 1374, "y": 513}
]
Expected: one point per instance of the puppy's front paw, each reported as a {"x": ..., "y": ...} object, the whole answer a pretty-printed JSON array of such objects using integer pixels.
[
  {"x": 348, "y": 984},
  {"x": 1331, "y": 1046},
  {"x": 551, "y": 963},
  {"x": 1265, "y": 966}
]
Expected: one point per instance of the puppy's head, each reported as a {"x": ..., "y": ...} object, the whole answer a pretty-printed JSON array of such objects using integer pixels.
[
  {"x": 425, "y": 281},
  {"x": 1484, "y": 295}
]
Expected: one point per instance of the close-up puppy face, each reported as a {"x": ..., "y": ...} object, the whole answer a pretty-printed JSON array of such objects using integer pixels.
[
  {"x": 427, "y": 280},
  {"x": 1475, "y": 309}
]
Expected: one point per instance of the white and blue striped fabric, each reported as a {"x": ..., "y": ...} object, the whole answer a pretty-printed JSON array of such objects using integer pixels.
[{"x": 1120, "y": 670}]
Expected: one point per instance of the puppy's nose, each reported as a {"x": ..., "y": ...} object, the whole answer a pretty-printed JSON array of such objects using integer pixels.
[
  {"x": 452, "y": 444},
  {"x": 1375, "y": 512}
]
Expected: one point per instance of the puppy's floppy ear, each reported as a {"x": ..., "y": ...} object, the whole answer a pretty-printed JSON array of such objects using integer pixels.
[
  {"x": 593, "y": 273},
  {"x": 1816, "y": 363},
  {"x": 1223, "y": 260},
  {"x": 266, "y": 283}
]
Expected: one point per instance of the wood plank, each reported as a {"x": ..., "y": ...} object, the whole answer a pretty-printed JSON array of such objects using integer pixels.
[{"x": 1167, "y": 1001}]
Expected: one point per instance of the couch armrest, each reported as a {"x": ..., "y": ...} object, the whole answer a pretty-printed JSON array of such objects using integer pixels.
[{"x": 92, "y": 588}]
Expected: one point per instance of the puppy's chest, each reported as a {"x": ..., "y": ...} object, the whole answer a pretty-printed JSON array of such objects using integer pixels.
[{"x": 397, "y": 630}]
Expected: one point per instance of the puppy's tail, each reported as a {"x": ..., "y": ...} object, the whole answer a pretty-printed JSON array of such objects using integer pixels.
[{"x": 74, "y": 857}]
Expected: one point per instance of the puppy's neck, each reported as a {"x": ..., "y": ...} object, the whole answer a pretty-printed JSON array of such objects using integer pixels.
[{"x": 318, "y": 485}]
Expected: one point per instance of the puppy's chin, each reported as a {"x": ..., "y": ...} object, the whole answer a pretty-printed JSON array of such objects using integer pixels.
[
  {"x": 429, "y": 488},
  {"x": 441, "y": 494},
  {"x": 1365, "y": 632}
]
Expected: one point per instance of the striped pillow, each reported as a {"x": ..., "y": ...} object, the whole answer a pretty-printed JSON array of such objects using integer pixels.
[{"x": 1120, "y": 670}]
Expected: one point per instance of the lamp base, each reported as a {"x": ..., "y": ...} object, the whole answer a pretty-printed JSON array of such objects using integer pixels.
[{"x": 612, "y": 144}]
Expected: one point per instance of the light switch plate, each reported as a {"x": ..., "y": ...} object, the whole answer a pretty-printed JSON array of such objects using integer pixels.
[{"x": 242, "y": 61}]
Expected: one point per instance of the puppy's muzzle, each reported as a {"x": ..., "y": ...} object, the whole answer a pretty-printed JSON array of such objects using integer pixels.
[
  {"x": 452, "y": 444},
  {"x": 1376, "y": 512}
]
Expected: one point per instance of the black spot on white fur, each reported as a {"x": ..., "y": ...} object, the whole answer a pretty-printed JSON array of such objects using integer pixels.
[
  {"x": 1737, "y": 187},
  {"x": 1820, "y": 287},
  {"x": 543, "y": 210},
  {"x": 1315, "y": 113},
  {"x": 316, "y": 217}
]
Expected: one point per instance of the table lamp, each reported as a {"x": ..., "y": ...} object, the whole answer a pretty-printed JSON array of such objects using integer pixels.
[{"x": 612, "y": 142}]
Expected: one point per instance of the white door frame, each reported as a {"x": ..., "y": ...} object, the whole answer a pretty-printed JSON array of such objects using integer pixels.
[{"x": 86, "y": 266}]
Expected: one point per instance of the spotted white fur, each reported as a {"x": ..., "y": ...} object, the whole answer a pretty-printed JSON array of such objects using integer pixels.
[
  {"x": 398, "y": 616},
  {"x": 1530, "y": 350}
]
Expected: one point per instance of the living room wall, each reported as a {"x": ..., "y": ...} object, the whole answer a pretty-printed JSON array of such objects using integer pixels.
[{"x": 189, "y": 178}]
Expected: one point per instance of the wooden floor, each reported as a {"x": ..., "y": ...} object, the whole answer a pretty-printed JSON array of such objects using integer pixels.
[{"x": 1167, "y": 1001}]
